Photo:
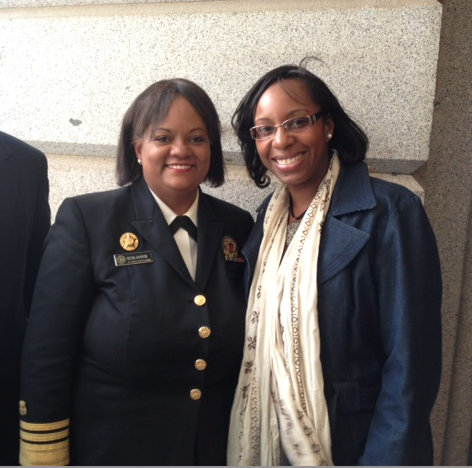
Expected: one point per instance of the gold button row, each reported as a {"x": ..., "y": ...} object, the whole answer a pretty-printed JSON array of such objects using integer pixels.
[
  {"x": 203, "y": 332},
  {"x": 195, "y": 393}
]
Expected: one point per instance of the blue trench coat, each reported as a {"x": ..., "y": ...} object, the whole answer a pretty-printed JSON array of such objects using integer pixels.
[{"x": 379, "y": 308}]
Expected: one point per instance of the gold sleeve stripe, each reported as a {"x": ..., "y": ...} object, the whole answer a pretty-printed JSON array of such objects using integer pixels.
[
  {"x": 56, "y": 454},
  {"x": 44, "y": 437},
  {"x": 44, "y": 427}
]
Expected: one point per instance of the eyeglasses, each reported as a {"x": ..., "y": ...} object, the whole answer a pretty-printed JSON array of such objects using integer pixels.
[{"x": 295, "y": 125}]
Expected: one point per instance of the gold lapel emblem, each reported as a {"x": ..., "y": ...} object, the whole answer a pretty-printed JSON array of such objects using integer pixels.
[
  {"x": 230, "y": 249},
  {"x": 129, "y": 241}
]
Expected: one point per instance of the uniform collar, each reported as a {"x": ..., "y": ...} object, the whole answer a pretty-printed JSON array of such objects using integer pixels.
[{"x": 169, "y": 215}]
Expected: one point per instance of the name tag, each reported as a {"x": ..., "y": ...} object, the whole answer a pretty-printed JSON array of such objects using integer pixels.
[{"x": 135, "y": 258}]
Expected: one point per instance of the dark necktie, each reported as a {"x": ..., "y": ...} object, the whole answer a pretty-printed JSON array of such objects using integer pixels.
[{"x": 186, "y": 223}]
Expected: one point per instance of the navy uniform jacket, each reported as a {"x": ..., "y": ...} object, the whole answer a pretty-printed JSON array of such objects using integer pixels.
[
  {"x": 24, "y": 222},
  {"x": 379, "y": 307},
  {"x": 120, "y": 350}
]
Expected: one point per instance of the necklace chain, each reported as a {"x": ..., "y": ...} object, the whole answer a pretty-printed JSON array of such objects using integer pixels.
[
  {"x": 292, "y": 226},
  {"x": 290, "y": 210}
]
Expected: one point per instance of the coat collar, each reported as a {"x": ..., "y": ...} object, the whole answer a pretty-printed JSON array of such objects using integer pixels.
[
  {"x": 150, "y": 222},
  {"x": 340, "y": 241},
  {"x": 353, "y": 191}
]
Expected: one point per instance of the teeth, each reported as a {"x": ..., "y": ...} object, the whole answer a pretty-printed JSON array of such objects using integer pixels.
[
  {"x": 179, "y": 166},
  {"x": 288, "y": 161}
]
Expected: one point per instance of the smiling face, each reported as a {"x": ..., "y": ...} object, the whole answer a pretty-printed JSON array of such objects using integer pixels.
[
  {"x": 175, "y": 155},
  {"x": 300, "y": 159}
]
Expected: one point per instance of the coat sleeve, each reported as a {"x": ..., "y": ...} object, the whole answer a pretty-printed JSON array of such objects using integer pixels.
[
  {"x": 39, "y": 229},
  {"x": 62, "y": 299},
  {"x": 409, "y": 293}
]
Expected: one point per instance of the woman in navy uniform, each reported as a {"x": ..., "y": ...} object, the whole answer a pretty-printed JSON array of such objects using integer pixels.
[
  {"x": 342, "y": 360},
  {"x": 135, "y": 339}
]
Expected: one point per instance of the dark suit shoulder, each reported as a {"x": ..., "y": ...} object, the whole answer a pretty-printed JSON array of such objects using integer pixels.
[
  {"x": 264, "y": 204},
  {"x": 103, "y": 198},
  {"x": 226, "y": 208},
  {"x": 391, "y": 192},
  {"x": 238, "y": 222},
  {"x": 97, "y": 207},
  {"x": 19, "y": 152}
]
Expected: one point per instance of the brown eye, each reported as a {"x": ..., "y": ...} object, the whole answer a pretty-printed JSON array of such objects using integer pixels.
[
  {"x": 197, "y": 140},
  {"x": 297, "y": 123},
  {"x": 161, "y": 139},
  {"x": 264, "y": 130}
]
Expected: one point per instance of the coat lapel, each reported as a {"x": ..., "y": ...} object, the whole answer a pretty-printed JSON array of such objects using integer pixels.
[
  {"x": 151, "y": 224},
  {"x": 339, "y": 245},
  {"x": 341, "y": 242},
  {"x": 210, "y": 234}
]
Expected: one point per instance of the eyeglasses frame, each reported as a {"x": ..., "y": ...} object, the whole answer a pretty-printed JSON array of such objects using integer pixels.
[{"x": 313, "y": 119}]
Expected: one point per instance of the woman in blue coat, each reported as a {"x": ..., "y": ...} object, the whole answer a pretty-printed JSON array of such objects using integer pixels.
[
  {"x": 342, "y": 359},
  {"x": 135, "y": 337}
]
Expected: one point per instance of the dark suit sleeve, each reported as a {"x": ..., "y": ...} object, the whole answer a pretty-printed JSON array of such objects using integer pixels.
[
  {"x": 40, "y": 226},
  {"x": 61, "y": 303},
  {"x": 409, "y": 294}
]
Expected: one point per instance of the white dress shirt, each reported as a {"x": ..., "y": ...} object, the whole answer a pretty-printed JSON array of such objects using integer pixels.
[{"x": 187, "y": 246}]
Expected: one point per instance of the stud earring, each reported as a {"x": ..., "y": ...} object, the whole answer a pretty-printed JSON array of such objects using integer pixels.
[
  {"x": 329, "y": 136},
  {"x": 139, "y": 162}
]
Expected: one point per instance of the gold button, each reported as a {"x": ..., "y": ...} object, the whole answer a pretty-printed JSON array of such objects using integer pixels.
[
  {"x": 195, "y": 394},
  {"x": 200, "y": 364},
  {"x": 204, "y": 332},
  {"x": 200, "y": 300},
  {"x": 23, "y": 410}
]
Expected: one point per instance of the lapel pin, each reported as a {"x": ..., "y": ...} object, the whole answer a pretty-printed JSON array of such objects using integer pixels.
[
  {"x": 230, "y": 250},
  {"x": 129, "y": 241}
]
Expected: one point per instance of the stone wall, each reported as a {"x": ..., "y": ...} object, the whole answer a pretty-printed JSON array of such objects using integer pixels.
[{"x": 70, "y": 68}]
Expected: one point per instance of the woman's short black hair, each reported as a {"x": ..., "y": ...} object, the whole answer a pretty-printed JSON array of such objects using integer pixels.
[
  {"x": 348, "y": 139},
  {"x": 149, "y": 109}
]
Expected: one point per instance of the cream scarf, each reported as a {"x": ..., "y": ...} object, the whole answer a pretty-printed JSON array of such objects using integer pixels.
[{"x": 279, "y": 408}]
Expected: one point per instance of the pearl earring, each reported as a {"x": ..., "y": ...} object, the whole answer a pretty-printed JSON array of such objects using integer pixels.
[
  {"x": 329, "y": 135},
  {"x": 139, "y": 162}
]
